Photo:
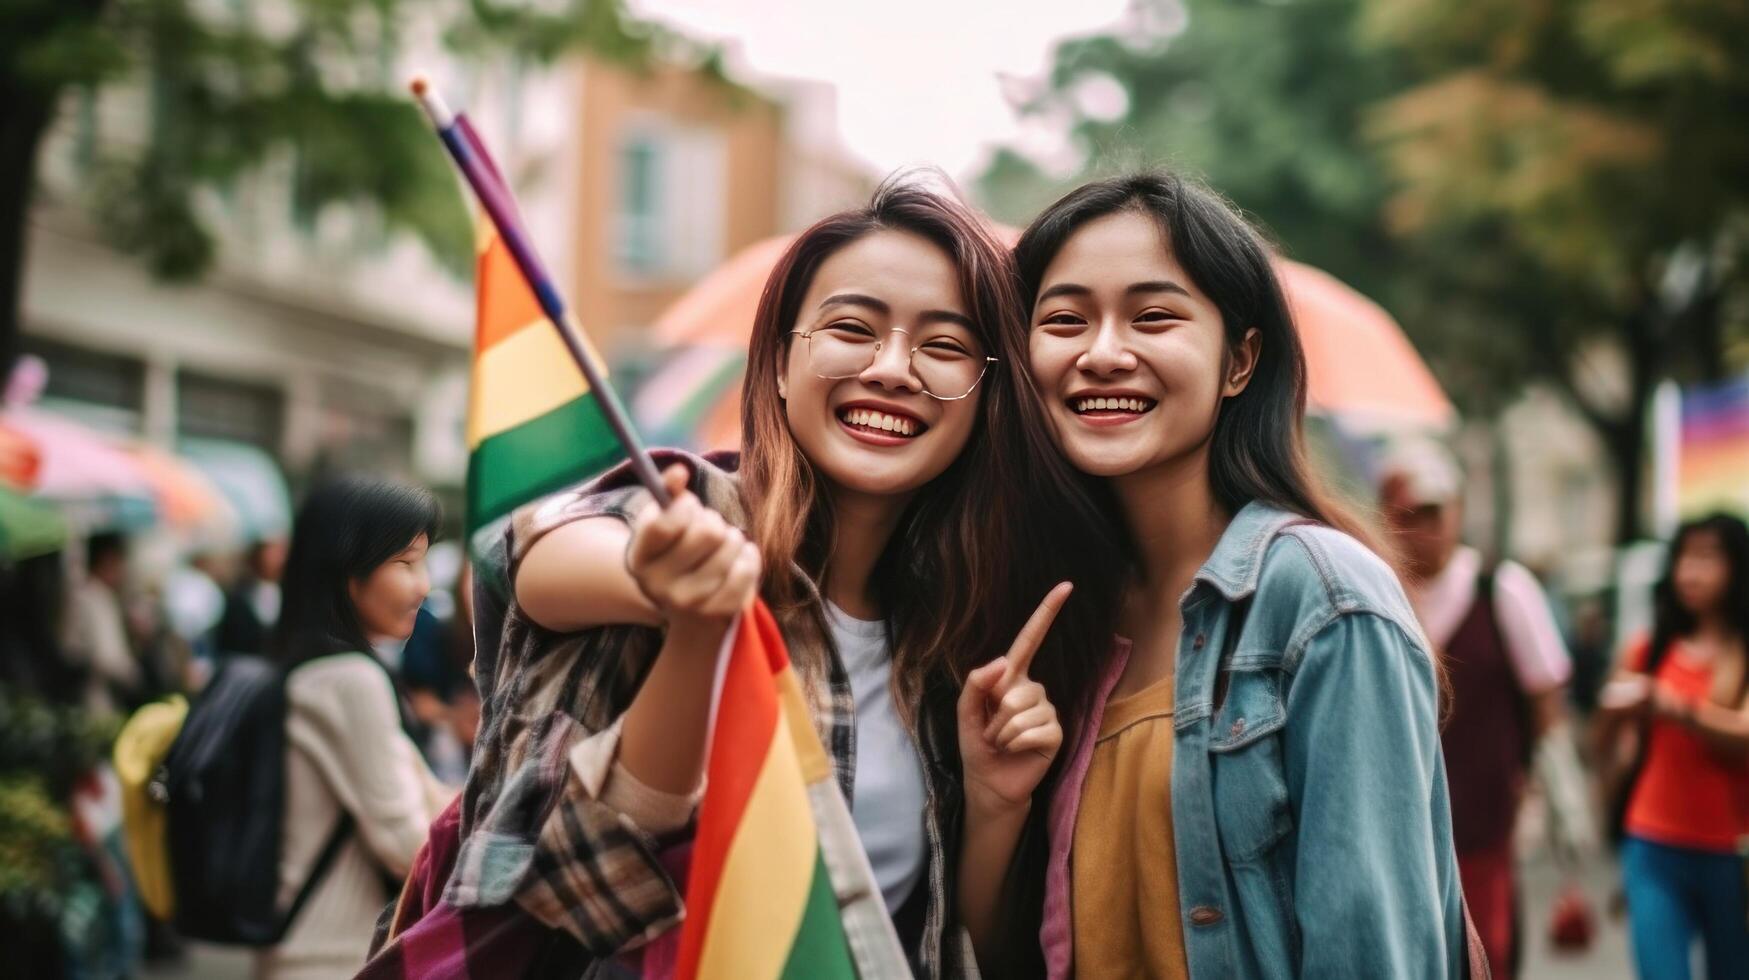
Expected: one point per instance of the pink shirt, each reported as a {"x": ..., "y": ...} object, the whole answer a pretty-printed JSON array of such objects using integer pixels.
[{"x": 1539, "y": 655}]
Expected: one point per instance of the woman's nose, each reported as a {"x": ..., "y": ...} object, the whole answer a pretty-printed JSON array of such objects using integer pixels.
[
  {"x": 1109, "y": 352},
  {"x": 892, "y": 366}
]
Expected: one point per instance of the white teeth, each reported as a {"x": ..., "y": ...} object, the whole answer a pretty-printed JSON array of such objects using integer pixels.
[
  {"x": 1110, "y": 404},
  {"x": 881, "y": 421}
]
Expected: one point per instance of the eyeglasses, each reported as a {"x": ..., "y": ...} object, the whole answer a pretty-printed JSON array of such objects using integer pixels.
[{"x": 948, "y": 370}]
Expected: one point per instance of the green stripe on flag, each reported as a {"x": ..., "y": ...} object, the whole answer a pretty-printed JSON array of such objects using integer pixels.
[
  {"x": 550, "y": 452},
  {"x": 820, "y": 949}
]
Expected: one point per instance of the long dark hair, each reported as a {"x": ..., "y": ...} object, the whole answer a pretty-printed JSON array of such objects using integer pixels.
[
  {"x": 1258, "y": 449},
  {"x": 982, "y": 544},
  {"x": 1670, "y": 619},
  {"x": 343, "y": 532}
]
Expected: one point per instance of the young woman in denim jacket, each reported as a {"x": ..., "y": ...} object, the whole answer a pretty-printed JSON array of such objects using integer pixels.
[{"x": 1256, "y": 789}]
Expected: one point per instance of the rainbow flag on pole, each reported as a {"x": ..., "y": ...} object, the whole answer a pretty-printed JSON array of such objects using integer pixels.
[{"x": 532, "y": 427}]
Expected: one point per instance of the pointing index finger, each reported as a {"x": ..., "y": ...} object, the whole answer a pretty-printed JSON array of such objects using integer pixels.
[{"x": 1032, "y": 635}]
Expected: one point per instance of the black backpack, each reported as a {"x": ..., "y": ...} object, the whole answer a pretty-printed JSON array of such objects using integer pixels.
[{"x": 224, "y": 786}]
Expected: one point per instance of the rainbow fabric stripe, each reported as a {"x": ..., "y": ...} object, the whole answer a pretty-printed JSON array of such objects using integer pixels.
[
  {"x": 1713, "y": 449},
  {"x": 759, "y": 902},
  {"x": 532, "y": 427}
]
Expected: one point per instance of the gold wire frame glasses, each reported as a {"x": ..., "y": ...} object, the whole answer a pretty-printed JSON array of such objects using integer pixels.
[{"x": 839, "y": 352}]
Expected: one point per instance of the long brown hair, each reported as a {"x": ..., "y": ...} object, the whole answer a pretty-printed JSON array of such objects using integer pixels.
[
  {"x": 1258, "y": 448},
  {"x": 981, "y": 544}
]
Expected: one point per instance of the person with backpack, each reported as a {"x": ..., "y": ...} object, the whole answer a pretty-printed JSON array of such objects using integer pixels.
[
  {"x": 1507, "y": 667},
  {"x": 355, "y": 787},
  {"x": 1678, "y": 712}
]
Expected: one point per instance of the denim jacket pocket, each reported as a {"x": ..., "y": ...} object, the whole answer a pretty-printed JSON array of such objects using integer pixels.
[{"x": 1250, "y": 786}]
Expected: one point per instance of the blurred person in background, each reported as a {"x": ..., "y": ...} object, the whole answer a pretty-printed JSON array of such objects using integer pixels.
[
  {"x": 252, "y": 604},
  {"x": 95, "y": 630},
  {"x": 1678, "y": 714},
  {"x": 355, "y": 576},
  {"x": 32, "y": 604},
  {"x": 1506, "y": 667}
]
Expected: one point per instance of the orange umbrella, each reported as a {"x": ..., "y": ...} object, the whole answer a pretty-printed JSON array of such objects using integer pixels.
[
  {"x": 19, "y": 459},
  {"x": 1361, "y": 368},
  {"x": 186, "y": 498}
]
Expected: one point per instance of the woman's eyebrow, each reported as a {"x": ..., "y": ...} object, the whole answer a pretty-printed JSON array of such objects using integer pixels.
[
  {"x": 856, "y": 299},
  {"x": 880, "y": 306},
  {"x": 1150, "y": 286},
  {"x": 1158, "y": 286},
  {"x": 1064, "y": 289}
]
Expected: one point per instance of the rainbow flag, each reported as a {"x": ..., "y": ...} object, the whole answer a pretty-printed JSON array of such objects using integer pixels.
[
  {"x": 1712, "y": 462},
  {"x": 759, "y": 901},
  {"x": 532, "y": 426}
]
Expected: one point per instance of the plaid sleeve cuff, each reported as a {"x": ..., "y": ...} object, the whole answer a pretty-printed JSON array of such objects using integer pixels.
[{"x": 597, "y": 874}]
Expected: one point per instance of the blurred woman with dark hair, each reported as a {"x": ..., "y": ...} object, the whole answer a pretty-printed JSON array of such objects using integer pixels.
[
  {"x": 1679, "y": 712},
  {"x": 355, "y": 575}
]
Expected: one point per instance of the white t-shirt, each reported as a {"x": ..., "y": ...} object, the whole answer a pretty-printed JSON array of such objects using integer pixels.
[
  {"x": 888, "y": 800},
  {"x": 1533, "y": 642}
]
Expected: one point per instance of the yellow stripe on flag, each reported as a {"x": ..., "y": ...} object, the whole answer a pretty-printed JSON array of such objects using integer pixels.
[
  {"x": 809, "y": 752},
  {"x": 522, "y": 377},
  {"x": 770, "y": 867}
]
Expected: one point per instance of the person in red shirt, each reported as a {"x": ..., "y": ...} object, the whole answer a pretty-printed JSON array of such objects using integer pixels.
[{"x": 1678, "y": 706}]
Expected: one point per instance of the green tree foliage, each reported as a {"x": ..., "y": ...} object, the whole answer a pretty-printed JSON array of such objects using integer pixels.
[
  {"x": 1579, "y": 172},
  {"x": 229, "y": 87},
  {"x": 1265, "y": 100}
]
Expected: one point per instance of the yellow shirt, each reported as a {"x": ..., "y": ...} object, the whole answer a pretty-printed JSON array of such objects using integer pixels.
[{"x": 1124, "y": 871}]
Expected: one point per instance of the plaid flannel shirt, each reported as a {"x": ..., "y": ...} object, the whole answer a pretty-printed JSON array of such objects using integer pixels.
[{"x": 538, "y": 875}]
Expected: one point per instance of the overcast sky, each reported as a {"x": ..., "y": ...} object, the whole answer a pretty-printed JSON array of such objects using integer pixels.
[{"x": 919, "y": 81}]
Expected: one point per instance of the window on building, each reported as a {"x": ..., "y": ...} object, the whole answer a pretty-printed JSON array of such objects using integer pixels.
[
  {"x": 669, "y": 209},
  {"x": 221, "y": 408}
]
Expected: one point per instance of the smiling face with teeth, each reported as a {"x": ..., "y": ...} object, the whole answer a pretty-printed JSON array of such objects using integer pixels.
[
  {"x": 1132, "y": 357},
  {"x": 877, "y": 432}
]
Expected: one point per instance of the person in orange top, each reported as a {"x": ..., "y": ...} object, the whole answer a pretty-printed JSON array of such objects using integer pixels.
[{"x": 1680, "y": 705}]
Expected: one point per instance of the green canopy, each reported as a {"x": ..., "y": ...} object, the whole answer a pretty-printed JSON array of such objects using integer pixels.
[{"x": 28, "y": 528}]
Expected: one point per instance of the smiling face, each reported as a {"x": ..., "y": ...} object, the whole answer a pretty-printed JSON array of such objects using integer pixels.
[
  {"x": 870, "y": 428},
  {"x": 388, "y": 599},
  {"x": 1130, "y": 354}
]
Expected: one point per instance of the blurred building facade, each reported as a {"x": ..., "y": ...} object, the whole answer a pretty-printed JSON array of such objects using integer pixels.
[{"x": 334, "y": 345}]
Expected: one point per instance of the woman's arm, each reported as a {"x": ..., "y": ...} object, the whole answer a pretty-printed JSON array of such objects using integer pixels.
[
  {"x": 347, "y": 720},
  {"x": 1725, "y": 730},
  {"x": 1375, "y": 861},
  {"x": 576, "y": 577},
  {"x": 682, "y": 567}
]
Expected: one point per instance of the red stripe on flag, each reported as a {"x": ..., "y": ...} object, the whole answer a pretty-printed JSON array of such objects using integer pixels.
[{"x": 748, "y": 719}]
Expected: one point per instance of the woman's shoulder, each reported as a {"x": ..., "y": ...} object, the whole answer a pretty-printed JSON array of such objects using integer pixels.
[
  {"x": 341, "y": 681},
  {"x": 1326, "y": 573}
]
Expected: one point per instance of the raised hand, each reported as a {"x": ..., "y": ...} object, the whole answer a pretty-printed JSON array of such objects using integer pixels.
[
  {"x": 1008, "y": 728},
  {"x": 697, "y": 569}
]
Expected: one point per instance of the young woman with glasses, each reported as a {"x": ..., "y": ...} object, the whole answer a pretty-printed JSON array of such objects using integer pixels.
[{"x": 898, "y": 505}]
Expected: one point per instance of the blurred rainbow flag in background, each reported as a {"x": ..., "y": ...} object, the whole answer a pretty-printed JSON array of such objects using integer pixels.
[{"x": 1712, "y": 455}]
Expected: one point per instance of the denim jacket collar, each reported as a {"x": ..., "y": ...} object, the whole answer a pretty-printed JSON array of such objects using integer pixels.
[{"x": 1237, "y": 562}]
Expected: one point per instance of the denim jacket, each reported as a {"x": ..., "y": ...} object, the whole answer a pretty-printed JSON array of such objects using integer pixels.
[{"x": 1309, "y": 804}]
